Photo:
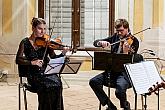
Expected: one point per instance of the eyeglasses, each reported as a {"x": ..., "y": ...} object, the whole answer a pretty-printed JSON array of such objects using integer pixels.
[{"x": 119, "y": 30}]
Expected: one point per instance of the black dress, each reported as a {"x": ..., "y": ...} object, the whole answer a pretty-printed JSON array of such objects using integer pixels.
[{"x": 48, "y": 87}]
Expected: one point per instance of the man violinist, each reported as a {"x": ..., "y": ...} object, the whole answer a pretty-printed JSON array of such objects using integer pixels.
[{"x": 120, "y": 80}]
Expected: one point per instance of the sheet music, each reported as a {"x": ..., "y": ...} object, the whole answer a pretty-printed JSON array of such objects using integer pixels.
[
  {"x": 54, "y": 65},
  {"x": 143, "y": 75},
  {"x": 152, "y": 72}
]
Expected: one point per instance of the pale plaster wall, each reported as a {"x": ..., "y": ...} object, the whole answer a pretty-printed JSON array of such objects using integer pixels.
[
  {"x": 9, "y": 41},
  {"x": 152, "y": 39}
]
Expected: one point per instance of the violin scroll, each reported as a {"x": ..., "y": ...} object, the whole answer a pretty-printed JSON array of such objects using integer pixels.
[{"x": 156, "y": 87}]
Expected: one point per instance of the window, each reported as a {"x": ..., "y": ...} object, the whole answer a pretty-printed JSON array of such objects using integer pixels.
[
  {"x": 96, "y": 20},
  {"x": 58, "y": 14},
  {"x": 80, "y": 22}
]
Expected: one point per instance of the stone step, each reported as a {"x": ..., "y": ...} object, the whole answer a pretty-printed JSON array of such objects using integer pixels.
[
  {"x": 83, "y": 75},
  {"x": 81, "y": 78}
]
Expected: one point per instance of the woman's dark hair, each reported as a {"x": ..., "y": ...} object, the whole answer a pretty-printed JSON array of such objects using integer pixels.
[{"x": 37, "y": 21}]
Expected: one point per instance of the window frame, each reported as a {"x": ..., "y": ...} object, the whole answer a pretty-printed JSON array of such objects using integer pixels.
[{"x": 75, "y": 40}]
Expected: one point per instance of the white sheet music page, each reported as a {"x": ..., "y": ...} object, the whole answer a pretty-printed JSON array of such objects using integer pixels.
[
  {"x": 143, "y": 75},
  {"x": 54, "y": 65}
]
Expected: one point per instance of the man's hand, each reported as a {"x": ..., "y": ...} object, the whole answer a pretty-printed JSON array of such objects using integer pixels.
[
  {"x": 126, "y": 47},
  {"x": 65, "y": 50},
  {"x": 103, "y": 44}
]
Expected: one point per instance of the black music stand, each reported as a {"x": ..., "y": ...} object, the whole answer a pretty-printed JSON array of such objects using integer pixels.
[
  {"x": 64, "y": 66},
  {"x": 70, "y": 67},
  {"x": 114, "y": 63},
  {"x": 148, "y": 76},
  {"x": 111, "y": 62}
]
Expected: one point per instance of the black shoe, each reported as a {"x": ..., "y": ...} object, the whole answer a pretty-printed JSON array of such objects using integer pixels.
[
  {"x": 127, "y": 107},
  {"x": 111, "y": 106},
  {"x": 114, "y": 108}
]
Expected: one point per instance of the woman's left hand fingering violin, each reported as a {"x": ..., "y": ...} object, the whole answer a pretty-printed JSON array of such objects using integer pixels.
[{"x": 45, "y": 41}]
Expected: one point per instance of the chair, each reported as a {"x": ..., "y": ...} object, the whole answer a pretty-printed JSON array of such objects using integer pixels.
[
  {"x": 22, "y": 69},
  {"x": 136, "y": 58},
  {"x": 113, "y": 86}
]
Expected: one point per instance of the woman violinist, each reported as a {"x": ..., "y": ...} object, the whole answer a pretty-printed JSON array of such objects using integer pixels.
[{"x": 48, "y": 88}]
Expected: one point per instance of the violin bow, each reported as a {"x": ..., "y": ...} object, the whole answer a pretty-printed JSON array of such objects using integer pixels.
[
  {"x": 127, "y": 37},
  {"x": 142, "y": 31},
  {"x": 49, "y": 38}
]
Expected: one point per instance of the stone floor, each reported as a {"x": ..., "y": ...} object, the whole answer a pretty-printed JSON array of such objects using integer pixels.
[{"x": 77, "y": 95}]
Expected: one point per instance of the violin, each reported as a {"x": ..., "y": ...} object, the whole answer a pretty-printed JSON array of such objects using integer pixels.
[
  {"x": 45, "y": 41},
  {"x": 156, "y": 87},
  {"x": 127, "y": 43},
  {"x": 129, "y": 39}
]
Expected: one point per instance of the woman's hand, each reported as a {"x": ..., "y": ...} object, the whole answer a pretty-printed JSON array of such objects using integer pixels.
[
  {"x": 65, "y": 50},
  {"x": 37, "y": 62}
]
